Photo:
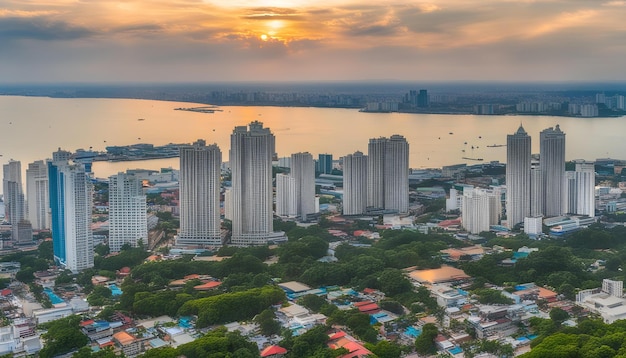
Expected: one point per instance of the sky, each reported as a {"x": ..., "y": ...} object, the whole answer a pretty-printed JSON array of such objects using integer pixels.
[{"x": 48, "y": 41}]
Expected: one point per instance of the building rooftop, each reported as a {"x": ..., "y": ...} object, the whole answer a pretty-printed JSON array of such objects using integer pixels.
[{"x": 442, "y": 274}]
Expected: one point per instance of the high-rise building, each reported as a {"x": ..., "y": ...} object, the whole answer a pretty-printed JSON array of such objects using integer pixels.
[
  {"x": 70, "y": 207},
  {"x": 517, "y": 177},
  {"x": 552, "y": 163},
  {"x": 286, "y": 197},
  {"x": 128, "y": 219},
  {"x": 422, "y": 98},
  {"x": 13, "y": 193},
  {"x": 388, "y": 174},
  {"x": 536, "y": 190},
  {"x": 475, "y": 211},
  {"x": 480, "y": 208},
  {"x": 37, "y": 195},
  {"x": 585, "y": 187},
  {"x": 251, "y": 153},
  {"x": 303, "y": 172},
  {"x": 200, "y": 169},
  {"x": 354, "y": 184},
  {"x": 325, "y": 163}
]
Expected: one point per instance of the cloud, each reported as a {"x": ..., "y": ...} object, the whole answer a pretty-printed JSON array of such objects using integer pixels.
[{"x": 40, "y": 28}]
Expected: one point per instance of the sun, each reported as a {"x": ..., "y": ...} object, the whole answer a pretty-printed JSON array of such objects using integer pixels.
[{"x": 264, "y": 37}]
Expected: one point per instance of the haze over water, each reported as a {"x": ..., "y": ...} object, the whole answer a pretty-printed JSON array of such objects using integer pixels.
[{"x": 33, "y": 127}]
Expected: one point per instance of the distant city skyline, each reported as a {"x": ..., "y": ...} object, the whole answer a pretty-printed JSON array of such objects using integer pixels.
[{"x": 276, "y": 40}]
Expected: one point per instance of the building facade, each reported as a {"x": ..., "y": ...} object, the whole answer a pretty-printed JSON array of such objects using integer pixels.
[
  {"x": 517, "y": 177},
  {"x": 70, "y": 207},
  {"x": 355, "y": 184},
  {"x": 388, "y": 174},
  {"x": 251, "y": 151},
  {"x": 37, "y": 195},
  {"x": 552, "y": 163},
  {"x": 13, "y": 192},
  {"x": 286, "y": 198},
  {"x": 128, "y": 219},
  {"x": 200, "y": 170},
  {"x": 303, "y": 173}
]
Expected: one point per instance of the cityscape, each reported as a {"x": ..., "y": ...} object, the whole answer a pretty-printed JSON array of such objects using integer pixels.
[
  {"x": 327, "y": 207},
  {"x": 295, "y": 179}
]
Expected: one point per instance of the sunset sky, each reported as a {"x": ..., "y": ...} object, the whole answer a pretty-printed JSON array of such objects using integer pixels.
[{"x": 280, "y": 40}]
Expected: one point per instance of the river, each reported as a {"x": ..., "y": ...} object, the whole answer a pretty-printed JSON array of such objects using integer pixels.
[{"x": 33, "y": 127}]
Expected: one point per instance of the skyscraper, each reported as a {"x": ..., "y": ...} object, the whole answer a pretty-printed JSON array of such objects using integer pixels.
[
  {"x": 517, "y": 177},
  {"x": 13, "y": 192},
  {"x": 286, "y": 198},
  {"x": 128, "y": 221},
  {"x": 536, "y": 190},
  {"x": 325, "y": 163},
  {"x": 251, "y": 153},
  {"x": 70, "y": 206},
  {"x": 552, "y": 162},
  {"x": 200, "y": 169},
  {"x": 585, "y": 188},
  {"x": 303, "y": 172},
  {"x": 388, "y": 173},
  {"x": 354, "y": 184},
  {"x": 475, "y": 210},
  {"x": 37, "y": 195}
]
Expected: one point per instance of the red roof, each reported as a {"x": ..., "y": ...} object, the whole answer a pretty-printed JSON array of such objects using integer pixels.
[
  {"x": 207, "y": 286},
  {"x": 362, "y": 303},
  {"x": 272, "y": 350},
  {"x": 86, "y": 323},
  {"x": 337, "y": 335},
  {"x": 125, "y": 269},
  {"x": 6, "y": 292},
  {"x": 369, "y": 308},
  {"x": 369, "y": 290}
]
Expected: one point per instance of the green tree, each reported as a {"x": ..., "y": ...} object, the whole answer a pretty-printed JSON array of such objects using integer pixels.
[
  {"x": 267, "y": 323},
  {"x": 425, "y": 342}
]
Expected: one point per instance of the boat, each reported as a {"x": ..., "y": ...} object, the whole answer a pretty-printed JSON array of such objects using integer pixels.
[
  {"x": 496, "y": 145},
  {"x": 477, "y": 159},
  {"x": 450, "y": 133},
  {"x": 141, "y": 119}
]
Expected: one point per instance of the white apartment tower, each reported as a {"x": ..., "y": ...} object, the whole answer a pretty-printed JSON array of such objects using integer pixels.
[
  {"x": 303, "y": 172},
  {"x": 475, "y": 209},
  {"x": 552, "y": 163},
  {"x": 388, "y": 173},
  {"x": 517, "y": 177},
  {"x": 37, "y": 195},
  {"x": 613, "y": 287},
  {"x": 13, "y": 192},
  {"x": 200, "y": 169},
  {"x": 251, "y": 152},
  {"x": 354, "y": 184},
  {"x": 70, "y": 206},
  {"x": 286, "y": 197},
  {"x": 128, "y": 219},
  {"x": 585, "y": 187},
  {"x": 536, "y": 190}
]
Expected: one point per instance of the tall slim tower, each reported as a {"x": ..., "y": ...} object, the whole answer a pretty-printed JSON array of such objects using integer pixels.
[
  {"x": 128, "y": 219},
  {"x": 286, "y": 198},
  {"x": 517, "y": 177},
  {"x": 37, "y": 195},
  {"x": 388, "y": 173},
  {"x": 552, "y": 162},
  {"x": 200, "y": 195},
  {"x": 251, "y": 153},
  {"x": 13, "y": 192},
  {"x": 585, "y": 188},
  {"x": 325, "y": 163},
  {"x": 354, "y": 184},
  {"x": 70, "y": 206},
  {"x": 303, "y": 172},
  {"x": 536, "y": 190}
]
